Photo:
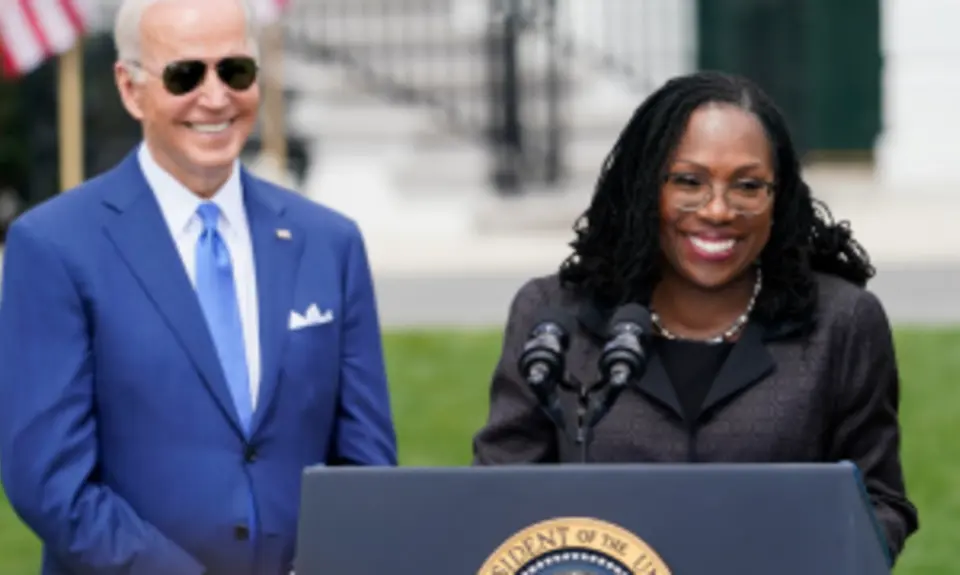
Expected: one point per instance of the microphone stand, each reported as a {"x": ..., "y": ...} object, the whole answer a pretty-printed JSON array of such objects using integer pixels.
[
  {"x": 584, "y": 431},
  {"x": 593, "y": 404},
  {"x": 621, "y": 363}
]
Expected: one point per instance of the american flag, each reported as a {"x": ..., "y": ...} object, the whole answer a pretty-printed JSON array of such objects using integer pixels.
[{"x": 31, "y": 31}]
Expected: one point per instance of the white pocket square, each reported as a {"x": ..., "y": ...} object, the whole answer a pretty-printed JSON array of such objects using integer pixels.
[{"x": 313, "y": 316}]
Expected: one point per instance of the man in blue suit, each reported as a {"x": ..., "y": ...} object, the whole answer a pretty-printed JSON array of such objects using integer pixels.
[{"x": 179, "y": 339}]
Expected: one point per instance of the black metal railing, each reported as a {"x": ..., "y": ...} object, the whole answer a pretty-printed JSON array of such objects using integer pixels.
[
  {"x": 495, "y": 76},
  {"x": 526, "y": 129}
]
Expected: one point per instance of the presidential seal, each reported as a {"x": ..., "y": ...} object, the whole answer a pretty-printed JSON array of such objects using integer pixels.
[{"x": 574, "y": 546}]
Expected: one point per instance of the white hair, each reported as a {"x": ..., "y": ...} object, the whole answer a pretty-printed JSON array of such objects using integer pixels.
[{"x": 126, "y": 30}]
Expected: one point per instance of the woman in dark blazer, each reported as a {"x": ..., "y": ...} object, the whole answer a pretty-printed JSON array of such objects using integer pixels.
[{"x": 767, "y": 347}]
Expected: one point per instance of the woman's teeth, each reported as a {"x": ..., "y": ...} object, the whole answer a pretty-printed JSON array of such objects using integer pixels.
[{"x": 712, "y": 246}]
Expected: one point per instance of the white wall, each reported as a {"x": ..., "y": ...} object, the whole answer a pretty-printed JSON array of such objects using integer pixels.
[
  {"x": 659, "y": 35},
  {"x": 919, "y": 150}
]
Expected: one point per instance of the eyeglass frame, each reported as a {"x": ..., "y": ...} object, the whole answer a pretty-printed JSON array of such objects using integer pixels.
[{"x": 768, "y": 186}]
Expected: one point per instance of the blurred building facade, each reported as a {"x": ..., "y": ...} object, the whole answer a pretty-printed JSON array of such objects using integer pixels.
[
  {"x": 412, "y": 113},
  {"x": 428, "y": 106}
]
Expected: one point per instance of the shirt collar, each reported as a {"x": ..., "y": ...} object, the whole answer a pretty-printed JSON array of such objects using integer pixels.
[{"x": 179, "y": 205}]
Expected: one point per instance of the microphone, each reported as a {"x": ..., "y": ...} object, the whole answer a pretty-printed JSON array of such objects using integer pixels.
[
  {"x": 542, "y": 362},
  {"x": 623, "y": 359}
]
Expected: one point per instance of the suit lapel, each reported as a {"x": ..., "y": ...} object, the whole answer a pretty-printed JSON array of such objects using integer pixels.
[
  {"x": 277, "y": 247},
  {"x": 749, "y": 362},
  {"x": 143, "y": 239},
  {"x": 656, "y": 385}
]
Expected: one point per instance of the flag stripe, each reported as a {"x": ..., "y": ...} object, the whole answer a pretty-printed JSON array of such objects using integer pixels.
[
  {"x": 54, "y": 25},
  {"x": 35, "y": 25},
  {"x": 9, "y": 67},
  {"x": 20, "y": 46},
  {"x": 33, "y": 30},
  {"x": 76, "y": 13}
]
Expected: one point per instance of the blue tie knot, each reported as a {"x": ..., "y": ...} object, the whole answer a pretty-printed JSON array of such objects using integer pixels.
[{"x": 209, "y": 214}]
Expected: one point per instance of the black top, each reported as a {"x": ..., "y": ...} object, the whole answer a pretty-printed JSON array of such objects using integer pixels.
[{"x": 691, "y": 367}]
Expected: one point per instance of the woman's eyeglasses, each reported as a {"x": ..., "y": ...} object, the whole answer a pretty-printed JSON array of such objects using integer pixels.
[
  {"x": 692, "y": 193},
  {"x": 183, "y": 76}
]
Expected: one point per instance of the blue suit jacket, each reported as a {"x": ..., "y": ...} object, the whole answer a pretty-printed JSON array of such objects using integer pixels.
[{"x": 119, "y": 444}]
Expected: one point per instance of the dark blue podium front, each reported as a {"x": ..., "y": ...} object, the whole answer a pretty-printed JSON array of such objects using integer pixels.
[{"x": 593, "y": 519}]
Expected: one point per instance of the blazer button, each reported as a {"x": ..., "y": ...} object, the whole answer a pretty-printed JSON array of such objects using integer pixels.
[
  {"x": 249, "y": 454},
  {"x": 241, "y": 532}
]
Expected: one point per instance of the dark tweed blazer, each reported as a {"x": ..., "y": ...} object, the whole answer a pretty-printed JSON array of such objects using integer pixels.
[{"x": 829, "y": 395}]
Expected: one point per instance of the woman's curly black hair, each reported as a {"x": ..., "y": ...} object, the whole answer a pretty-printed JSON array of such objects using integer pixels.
[{"x": 616, "y": 253}]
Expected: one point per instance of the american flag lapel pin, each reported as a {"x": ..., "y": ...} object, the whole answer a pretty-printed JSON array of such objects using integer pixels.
[{"x": 284, "y": 234}]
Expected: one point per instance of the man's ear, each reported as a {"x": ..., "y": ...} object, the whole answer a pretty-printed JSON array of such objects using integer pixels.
[{"x": 129, "y": 90}]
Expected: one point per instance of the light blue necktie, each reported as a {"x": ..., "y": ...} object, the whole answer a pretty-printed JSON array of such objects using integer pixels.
[{"x": 218, "y": 298}]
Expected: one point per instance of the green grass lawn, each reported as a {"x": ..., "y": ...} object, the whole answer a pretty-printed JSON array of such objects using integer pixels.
[{"x": 438, "y": 409}]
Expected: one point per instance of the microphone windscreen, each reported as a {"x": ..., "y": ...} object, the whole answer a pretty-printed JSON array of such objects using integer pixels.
[
  {"x": 633, "y": 313},
  {"x": 563, "y": 319}
]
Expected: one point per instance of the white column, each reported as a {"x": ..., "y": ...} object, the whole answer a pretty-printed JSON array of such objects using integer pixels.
[{"x": 919, "y": 147}]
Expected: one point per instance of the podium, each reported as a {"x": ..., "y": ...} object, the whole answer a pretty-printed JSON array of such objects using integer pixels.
[{"x": 664, "y": 519}]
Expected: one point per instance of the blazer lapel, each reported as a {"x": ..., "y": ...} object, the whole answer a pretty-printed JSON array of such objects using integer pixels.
[
  {"x": 277, "y": 247},
  {"x": 654, "y": 383},
  {"x": 143, "y": 239},
  {"x": 749, "y": 362}
]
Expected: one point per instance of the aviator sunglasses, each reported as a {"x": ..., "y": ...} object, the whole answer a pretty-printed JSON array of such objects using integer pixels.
[{"x": 183, "y": 76}]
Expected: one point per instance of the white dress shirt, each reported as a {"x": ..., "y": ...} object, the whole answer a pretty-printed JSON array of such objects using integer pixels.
[{"x": 179, "y": 207}]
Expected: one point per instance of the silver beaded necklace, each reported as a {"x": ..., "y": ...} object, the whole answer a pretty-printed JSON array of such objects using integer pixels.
[{"x": 726, "y": 334}]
